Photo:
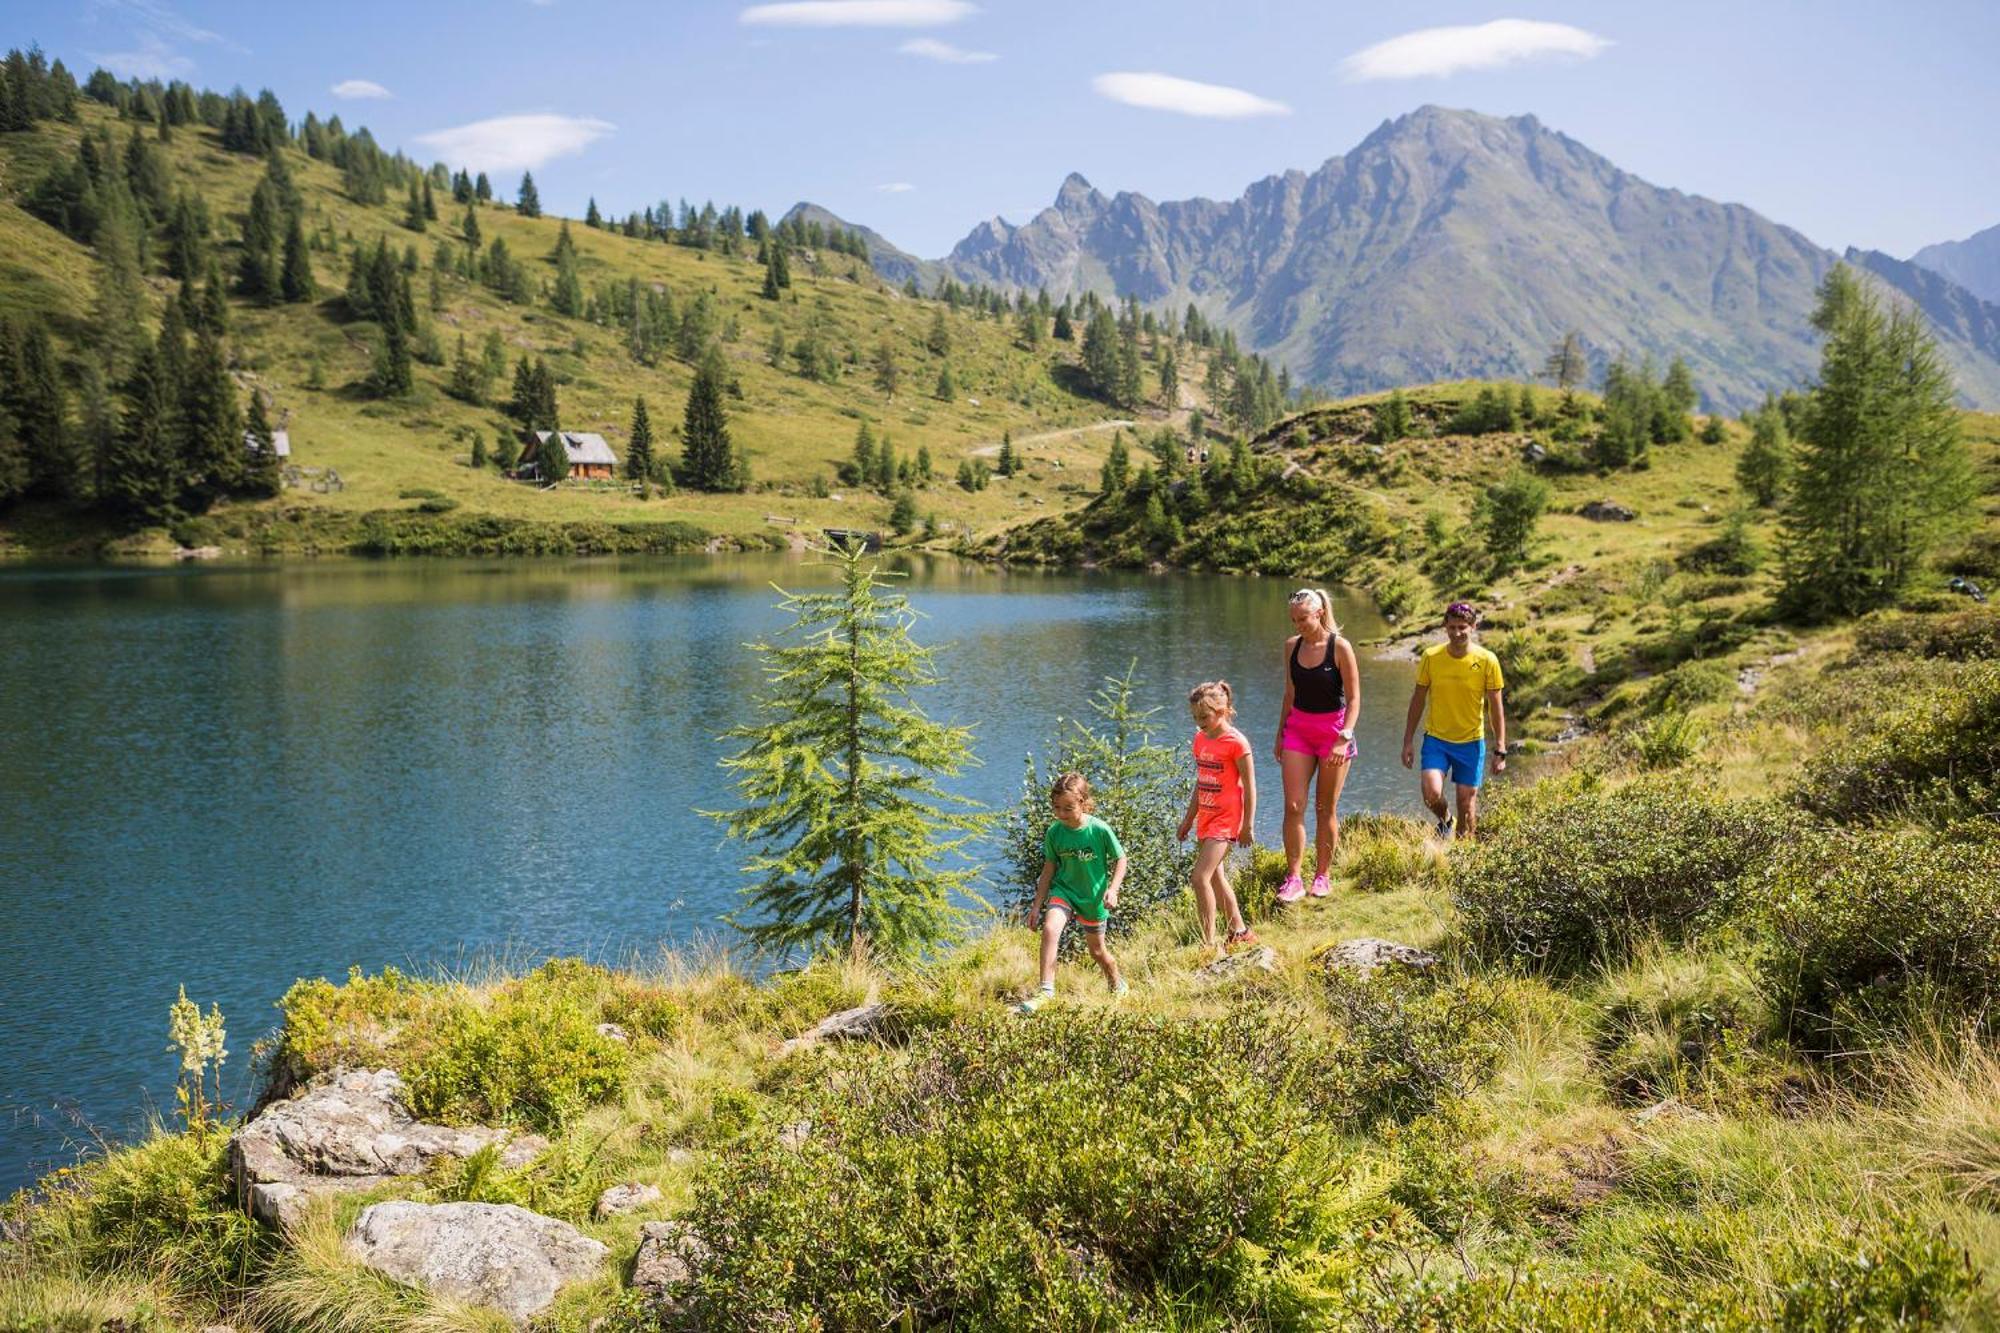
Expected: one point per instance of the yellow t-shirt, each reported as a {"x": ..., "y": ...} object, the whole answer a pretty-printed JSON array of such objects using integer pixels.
[{"x": 1458, "y": 688}]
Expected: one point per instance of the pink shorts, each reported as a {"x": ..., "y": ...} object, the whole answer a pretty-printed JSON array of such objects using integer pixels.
[{"x": 1315, "y": 734}]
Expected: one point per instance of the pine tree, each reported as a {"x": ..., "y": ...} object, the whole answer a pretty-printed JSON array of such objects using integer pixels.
[
  {"x": 120, "y": 302},
  {"x": 639, "y": 454},
  {"x": 467, "y": 381},
  {"x": 552, "y": 458},
  {"x": 544, "y": 413},
  {"x": 1131, "y": 376},
  {"x": 1567, "y": 365},
  {"x": 903, "y": 513},
  {"x": 1507, "y": 514},
  {"x": 591, "y": 217},
  {"x": 1117, "y": 467},
  {"x": 430, "y": 203},
  {"x": 506, "y": 452},
  {"x": 939, "y": 338},
  {"x": 1880, "y": 474},
  {"x": 261, "y": 472},
  {"x": 296, "y": 284},
  {"x": 1392, "y": 423},
  {"x": 1062, "y": 329},
  {"x": 1006, "y": 464},
  {"x": 946, "y": 389},
  {"x": 413, "y": 210},
  {"x": 33, "y": 388},
  {"x": 1766, "y": 460},
  {"x": 470, "y": 228},
  {"x": 1170, "y": 381},
  {"x": 529, "y": 201},
  {"x": 521, "y": 402},
  {"x": 707, "y": 458},
  {"x": 887, "y": 374},
  {"x": 771, "y": 292},
  {"x": 482, "y": 190},
  {"x": 854, "y": 844},
  {"x": 1100, "y": 354},
  {"x": 885, "y": 467},
  {"x": 479, "y": 449},
  {"x": 142, "y": 476},
  {"x": 211, "y": 435},
  {"x": 860, "y": 469},
  {"x": 392, "y": 376}
]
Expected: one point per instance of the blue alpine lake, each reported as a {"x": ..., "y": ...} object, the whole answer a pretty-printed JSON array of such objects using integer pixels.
[{"x": 229, "y": 777}]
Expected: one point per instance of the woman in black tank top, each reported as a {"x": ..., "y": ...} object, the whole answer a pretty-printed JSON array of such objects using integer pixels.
[{"x": 1315, "y": 736}]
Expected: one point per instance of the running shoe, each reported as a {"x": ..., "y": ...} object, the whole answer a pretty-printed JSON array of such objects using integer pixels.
[
  {"x": 1320, "y": 887},
  {"x": 1292, "y": 889},
  {"x": 1121, "y": 990},
  {"x": 1240, "y": 937},
  {"x": 1034, "y": 1002},
  {"x": 1444, "y": 827}
]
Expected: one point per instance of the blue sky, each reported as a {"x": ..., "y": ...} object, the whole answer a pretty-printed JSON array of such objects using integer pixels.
[{"x": 1865, "y": 124}]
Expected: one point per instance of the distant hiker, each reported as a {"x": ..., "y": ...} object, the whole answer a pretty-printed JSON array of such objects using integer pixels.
[
  {"x": 1315, "y": 735},
  {"x": 1222, "y": 808},
  {"x": 1463, "y": 683},
  {"x": 1083, "y": 863}
]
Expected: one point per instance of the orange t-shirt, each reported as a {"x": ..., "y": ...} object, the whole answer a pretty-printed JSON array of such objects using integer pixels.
[{"x": 1218, "y": 784}]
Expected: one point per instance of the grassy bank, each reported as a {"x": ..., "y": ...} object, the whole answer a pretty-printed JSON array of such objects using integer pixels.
[{"x": 1697, "y": 1052}]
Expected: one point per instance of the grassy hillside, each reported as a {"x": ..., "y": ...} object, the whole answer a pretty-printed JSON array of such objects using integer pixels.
[
  {"x": 1687, "y": 1059},
  {"x": 794, "y": 429}
]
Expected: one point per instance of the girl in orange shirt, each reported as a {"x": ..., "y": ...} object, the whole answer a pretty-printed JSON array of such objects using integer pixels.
[{"x": 1222, "y": 808}]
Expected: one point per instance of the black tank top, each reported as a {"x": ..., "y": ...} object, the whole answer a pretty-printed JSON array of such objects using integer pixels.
[{"x": 1318, "y": 689}]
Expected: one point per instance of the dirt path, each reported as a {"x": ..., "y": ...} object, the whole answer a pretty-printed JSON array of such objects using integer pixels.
[{"x": 990, "y": 450}]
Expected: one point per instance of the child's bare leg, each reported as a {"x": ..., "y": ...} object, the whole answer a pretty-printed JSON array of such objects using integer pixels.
[
  {"x": 1094, "y": 939},
  {"x": 1225, "y": 896},
  {"x": 1054, "y": 918},
  {"x": 1207, "y": 865}
]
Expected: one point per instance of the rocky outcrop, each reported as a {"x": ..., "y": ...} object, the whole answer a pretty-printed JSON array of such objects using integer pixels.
[
  {"x": 490, "y": 1254},
  {"x": 1235, "y": 966},
  {"x": 869, "y": 1022},
  {"x": 1607, "y": 511},
  {"x": 626, "y": 1199},
  {"x": 351, "y": 1132},
  {"x": 1364, "y": 957},
  {"x": 669, "y": 1253}
]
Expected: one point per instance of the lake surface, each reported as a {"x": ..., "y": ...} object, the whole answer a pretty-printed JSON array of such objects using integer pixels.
[{"x": 233, "y": 777}]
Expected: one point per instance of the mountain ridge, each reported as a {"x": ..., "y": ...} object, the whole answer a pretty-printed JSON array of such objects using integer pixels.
[{"x": 1453, "y": 244}]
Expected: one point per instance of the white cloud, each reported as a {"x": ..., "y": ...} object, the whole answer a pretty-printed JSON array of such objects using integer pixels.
[
  {"x": 896, "y": 187},
  {"x": 930, "y": 48},
  {"x": 858, "y": 13},
  {"x": 1164, "y": 92},
  {"x": 1441, "y": 52},
  {"x": 153, "y": 60},
  {"x": 360, "y": 88},
  {"x": 505, "y": 143}
]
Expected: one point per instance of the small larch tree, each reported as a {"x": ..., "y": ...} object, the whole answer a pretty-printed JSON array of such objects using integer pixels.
[
  {"x": 1508, "y": 513},
  {"x": 707, "y": 458},
  {"x": 639, "y": 455},
  {"x": 854, "y": 843},
  {"x": 529, "y": 201}
]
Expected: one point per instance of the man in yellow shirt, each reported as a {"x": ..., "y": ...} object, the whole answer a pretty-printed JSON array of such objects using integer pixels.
[{"x": 1462, "y": 681}]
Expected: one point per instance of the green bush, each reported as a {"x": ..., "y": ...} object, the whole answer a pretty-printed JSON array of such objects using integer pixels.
[
  {"x": 531, "y": 1054},
  {"x": 1937, "y": 758},
  {"x": 1856, "y": 923},
  {"x": 1690, "y": 685},
  {"x": 1961, "y": 635},
  {"x": 1687, "y": 1026},
  {"x": 328, "y": 1027},
  {"x": 164, "y": 1205},
  {"x": 1568, "y": 872},
  {"x": 1384, "y": 852},
  {"x": 1058, "y": 1174}
]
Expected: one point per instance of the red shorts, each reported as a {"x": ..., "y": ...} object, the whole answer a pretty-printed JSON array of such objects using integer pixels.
[{"x": 1314, "y": 734}]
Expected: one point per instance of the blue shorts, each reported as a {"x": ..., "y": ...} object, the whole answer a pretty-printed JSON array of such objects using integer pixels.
[{"x": 1464, "y": 760}]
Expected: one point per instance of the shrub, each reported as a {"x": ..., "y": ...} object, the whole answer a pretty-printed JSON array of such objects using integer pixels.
[
  {"x": 1855, "y": 923},
  {"x": 328, "y": 1027},
  {"x": 1384, "y": 852},
  {"x": 1667, "y": 741},
  {"x": 1003, "y": 1175},
  {"x": 1569, "y": 871},
  {"x": 531, "y": 1054},
  {"x": 1937, "y": 758},
  {"x": 1961, "y": 635},
  {"x": 1686, "y": 1026},
  {"x": 164, "y": 1205},
  {"x": 1690, "y": 685}
]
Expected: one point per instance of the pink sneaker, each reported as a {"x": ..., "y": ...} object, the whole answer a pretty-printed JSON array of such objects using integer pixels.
[
  {"x": 1320, "y": 887},
  {"x": 1292, "y": 889}
]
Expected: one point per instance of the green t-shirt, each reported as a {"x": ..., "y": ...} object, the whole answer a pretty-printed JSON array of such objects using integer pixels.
[{"x": 1083, "y": 858}]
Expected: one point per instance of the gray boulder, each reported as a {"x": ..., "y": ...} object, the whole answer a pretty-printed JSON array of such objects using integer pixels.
[
  {"x": 1234, "y": 966},
  {"x": 669, "y": 1253},
  {"x": 626, "y": 1199},
  {"x": 351, "y": 1132},
  {"x": 869, "y": 1022},
  {"x": 490, "y": 1254},
  {"x": 1607, "y": 511},
  {"x": 1364, "y": 956}
]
